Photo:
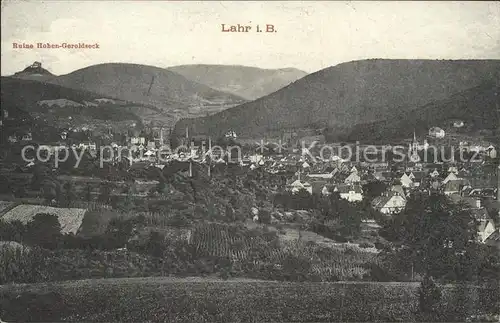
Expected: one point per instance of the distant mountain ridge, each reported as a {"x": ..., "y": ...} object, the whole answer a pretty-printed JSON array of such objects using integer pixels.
[
  {"x": 476, "y": 107},
  {"x": 248, "y": 82},
  {"x": 144, "y": 84},
  {"x": 348, "y": 94}
]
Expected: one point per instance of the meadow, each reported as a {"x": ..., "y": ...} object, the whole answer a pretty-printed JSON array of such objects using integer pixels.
[{"x": 163, "y": 299}]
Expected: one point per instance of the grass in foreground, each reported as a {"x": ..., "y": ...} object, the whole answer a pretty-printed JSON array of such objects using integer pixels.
[{"x": 203, "y": 300}]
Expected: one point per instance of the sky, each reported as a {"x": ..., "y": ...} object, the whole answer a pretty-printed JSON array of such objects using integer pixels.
[{"x": 309, "y": 35}]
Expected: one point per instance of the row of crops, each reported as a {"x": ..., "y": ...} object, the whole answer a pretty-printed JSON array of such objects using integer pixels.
[
  {"x": 264, "y": 248},
  {"x": 220, "y": 240}
]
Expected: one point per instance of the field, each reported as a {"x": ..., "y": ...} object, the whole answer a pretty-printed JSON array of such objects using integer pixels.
[
  {"x": 5, "y": 206},
  {"x": 328, "y": 263},
  {"x": 70, "y": 218},
  {"x": 206, "y": 300}
]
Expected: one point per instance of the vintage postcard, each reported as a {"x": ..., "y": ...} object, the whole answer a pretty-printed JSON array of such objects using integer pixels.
[{"x": 250, "y": 161}]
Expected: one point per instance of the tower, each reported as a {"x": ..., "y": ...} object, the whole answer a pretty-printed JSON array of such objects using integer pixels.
[
  {"x": 414, "y": 149},
  {"x": 414, "y": 144}
]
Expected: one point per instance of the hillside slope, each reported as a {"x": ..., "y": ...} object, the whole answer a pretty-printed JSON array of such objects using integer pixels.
[
  {"x": 22, "y": 97},
  {"x": 26, "y": 93},
  {"x": 131, "y": 82},
  {"x": 477, "y": 107},
  {"x": 348, "y": 94},
  {"x": 34, "y": 72},
  {"x": 250, "y": 83}
]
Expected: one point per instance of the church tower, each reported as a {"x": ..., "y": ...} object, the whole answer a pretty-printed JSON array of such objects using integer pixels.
[{"x": 414, "y": 149}]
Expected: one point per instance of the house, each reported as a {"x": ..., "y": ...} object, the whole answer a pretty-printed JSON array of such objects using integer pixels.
[
  {"x": 90, "y": 104},
  {"x": 406, "y": 181},
  {"x": 491, "y": 152},
  {"x": 353, "y": 178},
  {"x": 379, "y": 176},
  {"x": 436, "y": 132},
  {"x": 450, "y": 177},
  {"x": 137, "y": 140},
  {"x": 255, "y": 158},
  {"x": 398, "y": 189},
  {"x": 324, "y": 176},
  {"x": 104, "y": 100},
  {"x": 389, "y": 203},
  {"x": 455, "y": 186},
  {"x": 298, "y": 185},
  {"x": 485, "y": 228},
  {"x": 151, "y": 145},
  {"x": 417, "y": 177},
  {"x": 318, "y": 186},
  {"x": 88, "y": 145},
  {"x": 231, "y": 134},
  {"x": 351, "y": 193},
  {"x": 434, "y": 173},
  {"x": 325, "y": 191},
  {"x": 458, "y": 124},
  {"x": 149, "y": 154},
  {"x": 463, "y": 172},
  {"x": 493, "y": 239},
  {"x": 12, "y": 138},
  {"x": 27, "y": 137}
]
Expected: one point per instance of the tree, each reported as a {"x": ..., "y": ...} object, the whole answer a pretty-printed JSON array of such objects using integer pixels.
[
  {"x": 6, "y": 186},
  {"x": 429, "y": 297},
  {"x": 374, "y": 189},
  {"x": 302, "y": 200},
  {"x": 70, "y": 195},
  {"x": 434, "y": 232},
  {"x": 40, "y": 174},
  {"x": 155, "y": 244},
  {"x": 44, "y": 230},
  {"x": 105, "y": 192},
  {"x": 230, "y": 212},
  {"x": 12, "y": 231},
  {"x": 49, "y": 190},
  {"x": 88, "y": 193}
]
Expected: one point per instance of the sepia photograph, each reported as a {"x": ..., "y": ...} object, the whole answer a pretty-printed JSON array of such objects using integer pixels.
[{"x": 249, "y": 161}]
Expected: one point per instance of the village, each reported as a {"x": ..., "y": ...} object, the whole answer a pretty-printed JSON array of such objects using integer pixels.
[{"x": 301, "y": 165}]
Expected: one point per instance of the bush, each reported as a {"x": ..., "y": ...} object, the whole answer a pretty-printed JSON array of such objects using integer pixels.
[
  {"x": 179, "y": 220},
  {"x": 44, "y": 230},
  {"x": 366, "y": 245},
  {"x": 12, "y": 231},
  {"x": 155, "y": 245},
  {"x": 341, "y": 239},
  {"x": 429, "y": 297},
  {"x": 378, "y": 274},
  {"x": 21, "y": 264},
  {"x": 224, "y": 274}
]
